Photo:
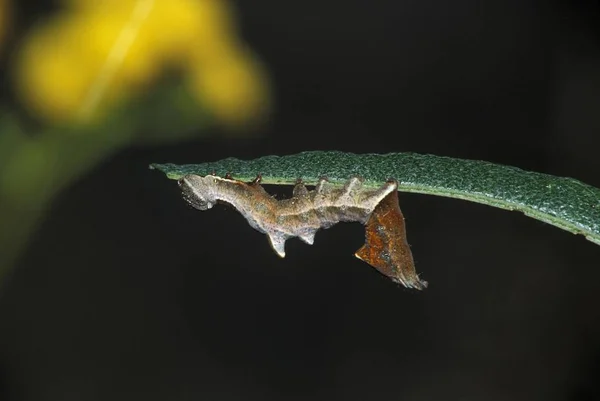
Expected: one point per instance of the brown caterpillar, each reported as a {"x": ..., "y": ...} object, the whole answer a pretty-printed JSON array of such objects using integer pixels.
[{"x": 306, "y": 212}]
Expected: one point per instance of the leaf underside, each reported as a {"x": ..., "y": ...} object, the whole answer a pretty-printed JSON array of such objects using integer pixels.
[{"x": 563, "y": 202}]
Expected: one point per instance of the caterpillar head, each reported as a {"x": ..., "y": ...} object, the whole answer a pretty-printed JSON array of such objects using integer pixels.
[{"x": 199, "y": 191}]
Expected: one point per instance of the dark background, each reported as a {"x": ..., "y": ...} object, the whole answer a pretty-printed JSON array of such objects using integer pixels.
[{"x": 127, "y": 293}]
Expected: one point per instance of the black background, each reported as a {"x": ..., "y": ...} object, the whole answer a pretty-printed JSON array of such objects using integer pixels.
[{"x": 127, "y": 293}]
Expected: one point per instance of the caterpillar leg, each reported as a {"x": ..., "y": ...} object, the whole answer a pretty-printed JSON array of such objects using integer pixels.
[
  {"x": 300, "y": 189},
  {"x": 257, "y": 180}
]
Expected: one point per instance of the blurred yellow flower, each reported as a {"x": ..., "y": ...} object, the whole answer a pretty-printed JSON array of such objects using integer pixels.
[{"x": 79, "y": 63}]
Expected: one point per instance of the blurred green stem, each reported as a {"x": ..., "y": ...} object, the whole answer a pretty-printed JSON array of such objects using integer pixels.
[{"x": 37, "y": 168}]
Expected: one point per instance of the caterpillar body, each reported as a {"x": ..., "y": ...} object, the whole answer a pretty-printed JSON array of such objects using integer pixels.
[{"x": 306, "y": 212}]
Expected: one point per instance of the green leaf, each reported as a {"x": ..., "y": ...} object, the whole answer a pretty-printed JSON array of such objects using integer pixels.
[{"x": 563, "y": 202}]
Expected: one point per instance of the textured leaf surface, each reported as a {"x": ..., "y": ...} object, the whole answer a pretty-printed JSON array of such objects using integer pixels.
[{"x": 563, "y": 202}]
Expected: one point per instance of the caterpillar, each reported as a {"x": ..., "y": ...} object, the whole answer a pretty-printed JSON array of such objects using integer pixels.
[{"x": 306, "y": 212}]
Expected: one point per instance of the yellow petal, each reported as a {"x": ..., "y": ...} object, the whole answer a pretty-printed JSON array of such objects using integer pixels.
[
  {"x": 101, "y": 31},
  {"x": 178, "y": 27},
  {"x": 67, "y": 67},
  {"x": 235, "y": 89},
  {"x": 49, "y": 75}
]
